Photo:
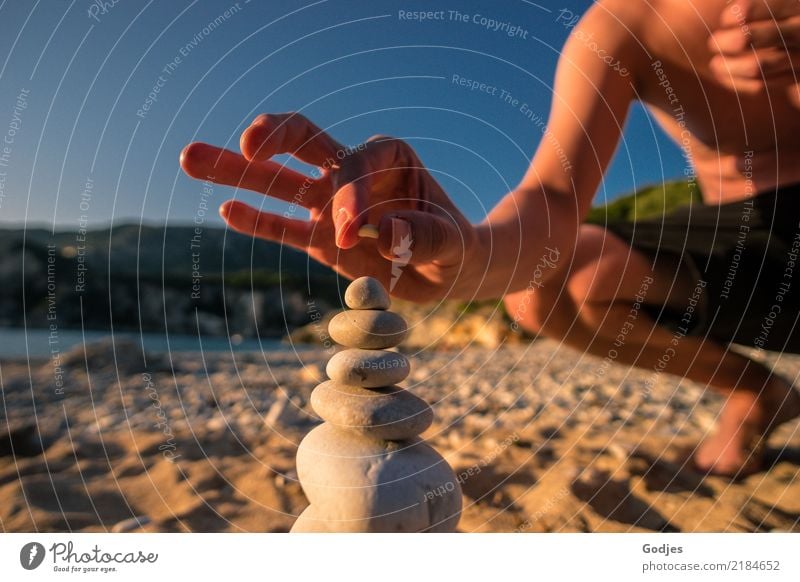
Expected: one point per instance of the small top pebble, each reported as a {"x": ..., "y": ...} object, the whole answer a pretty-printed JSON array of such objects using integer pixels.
[
  {"x": 366, "y": 293},
  {"x": 369, "y": 231}
]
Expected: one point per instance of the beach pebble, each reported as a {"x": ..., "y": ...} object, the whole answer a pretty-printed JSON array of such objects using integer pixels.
[
  {"x": 358, "y": 484},
  {"x": 311, "y": 373},
  {"x": 366, "y": 293},
  {"x": 368, "y": 368},
  {"x": 131, "y": 524},
  {"x": 368, "y": 329},
  {"x": 389, "y": 413},
  {"x": 285, "y": 412}
]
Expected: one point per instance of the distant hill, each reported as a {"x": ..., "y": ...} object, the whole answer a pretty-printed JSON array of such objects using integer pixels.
[
  {"x": 166, "y": 278},
  {"x": 647, "y": 202},
  {"x": 157, "y": 278},
  {"x": 149, "y": 251}
]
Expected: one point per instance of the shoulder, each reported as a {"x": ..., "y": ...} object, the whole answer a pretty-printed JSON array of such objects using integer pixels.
[
  {"x": 618, "y": 32},
  {"x": 625, "y": 15},
  {"x": 620, "y": 22}
]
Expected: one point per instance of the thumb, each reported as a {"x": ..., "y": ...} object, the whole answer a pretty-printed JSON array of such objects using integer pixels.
[{"x": 420, "y": 237}]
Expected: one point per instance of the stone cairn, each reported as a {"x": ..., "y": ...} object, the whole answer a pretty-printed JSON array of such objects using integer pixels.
[{"x": 365, "y": 469}]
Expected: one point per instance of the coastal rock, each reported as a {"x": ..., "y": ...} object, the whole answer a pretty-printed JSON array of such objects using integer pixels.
[
  {"x": 368, "y": 368},
  {"x": 371, "y": 485},
  {"x": 368, "y": 329},
  {"x": 366, "y": 293},
  {"x": 389, "y": 413}
]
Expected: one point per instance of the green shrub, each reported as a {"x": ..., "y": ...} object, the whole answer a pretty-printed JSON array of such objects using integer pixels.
[{"x": 647, "y": 202}]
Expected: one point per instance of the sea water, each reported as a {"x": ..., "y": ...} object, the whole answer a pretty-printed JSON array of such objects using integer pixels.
[{"x": 36, "y": 343}]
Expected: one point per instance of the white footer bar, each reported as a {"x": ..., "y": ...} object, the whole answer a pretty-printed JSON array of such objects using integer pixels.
[{"x": 400, "y": 557}]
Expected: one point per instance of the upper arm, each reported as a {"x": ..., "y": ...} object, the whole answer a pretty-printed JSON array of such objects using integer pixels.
[{"x": 594, "y": 88}]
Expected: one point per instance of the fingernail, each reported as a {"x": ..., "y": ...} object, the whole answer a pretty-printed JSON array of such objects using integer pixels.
[
  {"x": 401, "y": 237},
  {"x": 224, "y": 209}
]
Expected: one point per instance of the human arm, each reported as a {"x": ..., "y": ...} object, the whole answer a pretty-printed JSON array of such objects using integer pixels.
[
  {"x": 594, "y": 88},
  {"x": 440, "y": 253}
]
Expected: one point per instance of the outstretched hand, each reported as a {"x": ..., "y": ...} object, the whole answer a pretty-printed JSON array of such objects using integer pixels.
[
  {"x": 757, "y": 44},
  {"x": 424, "y": 244}
]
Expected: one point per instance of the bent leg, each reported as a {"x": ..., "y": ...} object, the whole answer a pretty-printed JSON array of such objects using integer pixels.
[{"x": 595, "y": 305}]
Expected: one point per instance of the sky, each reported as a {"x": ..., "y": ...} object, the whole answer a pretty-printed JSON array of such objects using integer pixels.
[{"x": 98, "y": 97}]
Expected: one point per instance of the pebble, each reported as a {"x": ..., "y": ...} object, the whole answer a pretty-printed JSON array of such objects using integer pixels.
[
  {"x": 366, "y": 293},
  {"x": 368, "y": 329},
  {"x": 388, "y": 413},
  {"x": 369, "y": 231},
  {"x": 283, "y": 413},
  {"x": 357, "y": 484},
  {"x": 368, "y": 368},
  {"x": 131, "y": 524},
  {"x": 311, "y": 373}
]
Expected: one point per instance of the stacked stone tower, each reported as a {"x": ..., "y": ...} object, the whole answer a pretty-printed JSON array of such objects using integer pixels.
[{"x": 365, "y": 469}]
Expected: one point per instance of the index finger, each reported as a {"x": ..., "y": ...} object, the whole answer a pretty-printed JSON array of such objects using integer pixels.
[
  {"x": 289, "y": 133},
  {"x": 206, "y": 162}
]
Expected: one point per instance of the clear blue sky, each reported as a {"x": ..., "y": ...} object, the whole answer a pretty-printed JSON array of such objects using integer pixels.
[{"x": 353, "y": 66}]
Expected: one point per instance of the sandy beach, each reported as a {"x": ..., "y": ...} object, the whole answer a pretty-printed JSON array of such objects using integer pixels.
[{"x": 542, "y": 438}]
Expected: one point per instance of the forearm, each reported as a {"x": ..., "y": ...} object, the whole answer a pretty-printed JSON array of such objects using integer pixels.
[{"x": 524, "y": 241}]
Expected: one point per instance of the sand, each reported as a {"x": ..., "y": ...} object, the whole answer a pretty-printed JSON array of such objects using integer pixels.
[{"x": 544, "y": 439}]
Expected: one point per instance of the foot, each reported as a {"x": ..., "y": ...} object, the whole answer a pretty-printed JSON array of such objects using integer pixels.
[{"x": 746, "y": 421}]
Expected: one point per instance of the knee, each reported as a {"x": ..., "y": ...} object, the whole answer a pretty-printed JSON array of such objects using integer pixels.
[
  {"x": 601, "y": 261},
  {"x": 531, "y": 312},
  {"x": 521, "y": 308}
]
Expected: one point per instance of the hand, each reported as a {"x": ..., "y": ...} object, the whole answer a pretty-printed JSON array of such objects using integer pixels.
[
  {"x": 757, "y": 44},
  {"x": 424, "y": 246}
]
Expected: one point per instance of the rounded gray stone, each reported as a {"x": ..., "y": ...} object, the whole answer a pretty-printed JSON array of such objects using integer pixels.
[
  {"x": 366, "y": 293},
  {"x": 389, "y": 413},
  {"x": 368, "y": 329},
  {"x": 358, "y": 484},
  {"x": 368, "y": 368}
]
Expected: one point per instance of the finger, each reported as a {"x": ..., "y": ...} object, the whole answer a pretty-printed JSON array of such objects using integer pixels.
[
  {"x": 221, "y": 166},
  {"x": 353, "y": 184},
  {"x": 778, "y": 80},
  {"x": 735, "y": 14},
  {"x": 764, "y": 63},
  {"x": 413, "y": 237},
  {"x": 793, "y": 93},
  {"x": 356, "y": 177},
  {"x": 781, "y": 33},
  {"x": 743, "y": 12},
  {"x": 729, "y": 41},
  {"x": 350, "y": 203},
  {"x": 773, "y": 63},
  {"x": 289, "y": 133},
  {"x": 247, "y": 220}
]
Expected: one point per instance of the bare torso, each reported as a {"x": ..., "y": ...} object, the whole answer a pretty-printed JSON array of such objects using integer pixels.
[{"x": 738, "y": 144}]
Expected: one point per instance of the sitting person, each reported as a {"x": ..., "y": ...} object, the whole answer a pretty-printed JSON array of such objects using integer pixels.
[{"x": 719, "y": 78}]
